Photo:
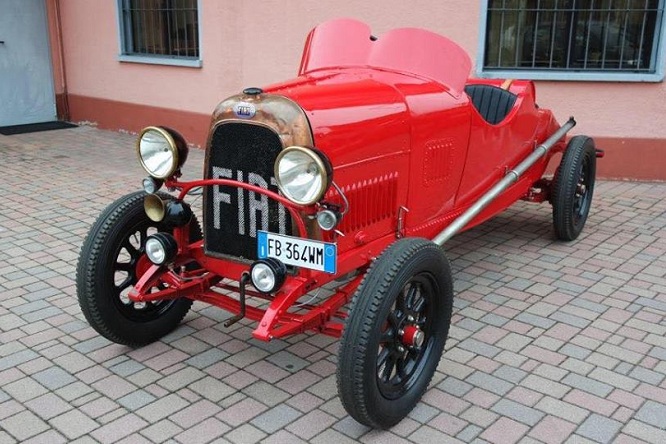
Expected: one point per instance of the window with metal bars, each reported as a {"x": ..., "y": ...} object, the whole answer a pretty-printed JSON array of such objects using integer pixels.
[
  {"x": 159, "y": 29},
  {"x": 574, "y": 36}
]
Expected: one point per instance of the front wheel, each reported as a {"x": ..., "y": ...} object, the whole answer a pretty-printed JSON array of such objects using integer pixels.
[
  {"x": 573, "y": 187},
  {"x": 395, "y": 333},
  {"x": 111, "y": 262}
]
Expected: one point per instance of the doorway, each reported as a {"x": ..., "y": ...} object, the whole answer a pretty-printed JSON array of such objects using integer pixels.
[{"x": 26, "y": 78}]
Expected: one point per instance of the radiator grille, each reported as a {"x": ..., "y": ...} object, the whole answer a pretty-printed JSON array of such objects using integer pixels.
[{"x": 244, "y": 152}]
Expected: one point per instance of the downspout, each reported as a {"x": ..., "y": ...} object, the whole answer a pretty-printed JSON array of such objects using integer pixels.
[{"x": 61, "y": 56}]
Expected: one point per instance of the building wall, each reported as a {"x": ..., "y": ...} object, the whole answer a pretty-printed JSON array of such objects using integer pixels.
[{"x": 257, "y": 43}]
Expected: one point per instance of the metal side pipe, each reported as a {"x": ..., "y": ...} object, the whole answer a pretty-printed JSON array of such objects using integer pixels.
[{"x": 509, "y": 179}]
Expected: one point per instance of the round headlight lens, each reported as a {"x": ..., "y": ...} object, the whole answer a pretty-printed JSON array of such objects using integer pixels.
[
  {"x": 327, "y": 219},
  {"x": 151, "y": 185},
  {"x": 155, "y": 251},
  {"x": 301, "y": 175},
  {"x": 263, "y": 278},
  {"x": 268, "y": 274},
  {"x": 161, "y": 248},
  {"x": 158, "y": 152}
]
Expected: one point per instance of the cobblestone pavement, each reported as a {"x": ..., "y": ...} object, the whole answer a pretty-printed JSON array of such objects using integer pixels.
[{"x": 551, "y": 342}]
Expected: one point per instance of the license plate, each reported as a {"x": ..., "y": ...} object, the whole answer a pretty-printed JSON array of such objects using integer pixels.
[{"x": 298, "y": 252}]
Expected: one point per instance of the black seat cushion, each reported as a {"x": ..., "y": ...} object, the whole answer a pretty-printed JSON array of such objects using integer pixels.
[{"x": 493, "y": 103}]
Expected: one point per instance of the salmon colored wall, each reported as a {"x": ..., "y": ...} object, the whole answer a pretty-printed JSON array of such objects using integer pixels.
[
  {"x": 90, "y": 37},
  {"x": 248, "y": 43},
  {"x": 255, "y": 43},
  {"x": 609, "y": 109},
  {"x": 242, "y": 44}
]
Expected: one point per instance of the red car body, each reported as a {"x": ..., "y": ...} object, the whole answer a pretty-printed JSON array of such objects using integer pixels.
[
  {"x": 412, "y": 148},
  {"x": 400, "y": 132}
]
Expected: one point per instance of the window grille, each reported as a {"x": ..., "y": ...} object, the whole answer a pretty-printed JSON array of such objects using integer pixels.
[
  {"x": 160, "y": 28},
  {"x": 573, "y": 35}
]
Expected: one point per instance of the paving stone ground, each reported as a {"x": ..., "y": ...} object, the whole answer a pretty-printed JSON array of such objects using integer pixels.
[{"x": 551, "y": 342}]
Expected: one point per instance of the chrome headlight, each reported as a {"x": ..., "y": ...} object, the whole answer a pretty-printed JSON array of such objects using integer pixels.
[
  {"x": 161, "y": 151},
  {"x": 303, "y": 175},
  {"x": 268, "y": 275},
  {"x": 161, "y": 248}
]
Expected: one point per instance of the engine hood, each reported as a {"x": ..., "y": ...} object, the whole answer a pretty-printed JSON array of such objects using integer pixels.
[{"x": 353, "y": 115}]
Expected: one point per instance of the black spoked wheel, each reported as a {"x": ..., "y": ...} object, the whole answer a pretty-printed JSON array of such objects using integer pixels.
[
  {"x": 573, "y": 188},
  {"x": 111, "y": 262},
  {"x": 407, "y": 338},
  {"x": 394, "y": 337}
]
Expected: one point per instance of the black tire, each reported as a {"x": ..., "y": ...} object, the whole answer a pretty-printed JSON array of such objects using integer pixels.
[
  {"x": 107, "y": 270},
  {"x": 378, "y": 383},
  {"x": 573, "y": 187}
]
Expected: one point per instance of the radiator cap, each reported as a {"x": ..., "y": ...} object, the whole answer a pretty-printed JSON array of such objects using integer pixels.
[{"x": 252, "y": 91}]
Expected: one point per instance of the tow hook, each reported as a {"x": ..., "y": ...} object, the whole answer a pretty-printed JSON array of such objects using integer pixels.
[{"x": 599, "y": 153}]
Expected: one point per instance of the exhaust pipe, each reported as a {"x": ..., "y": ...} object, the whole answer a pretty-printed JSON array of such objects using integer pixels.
[{"x": 509, "y": 179}]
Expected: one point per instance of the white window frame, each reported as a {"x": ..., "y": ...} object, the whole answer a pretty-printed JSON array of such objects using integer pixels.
[
  {"x": 156, "y": 59},
  {"x": 493, "y": 73}
]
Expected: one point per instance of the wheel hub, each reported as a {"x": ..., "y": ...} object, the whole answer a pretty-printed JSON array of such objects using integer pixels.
[{"x": 412, "y": 336}]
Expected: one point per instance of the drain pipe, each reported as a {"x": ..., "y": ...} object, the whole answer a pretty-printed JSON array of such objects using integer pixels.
[
  {"x": 61, "y": 56},
  {"x": 509, "y": 179}
]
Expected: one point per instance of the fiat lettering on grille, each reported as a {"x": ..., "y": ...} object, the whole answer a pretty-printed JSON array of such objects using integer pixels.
[{"x": 257, "y": 215}]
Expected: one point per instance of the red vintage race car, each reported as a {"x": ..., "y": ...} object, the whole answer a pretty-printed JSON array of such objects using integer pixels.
[{"x": 326, "y": 200}]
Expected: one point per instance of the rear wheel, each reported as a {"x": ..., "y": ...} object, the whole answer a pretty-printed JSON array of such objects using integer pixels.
[
  {"x": 394, "y": 337},
  {"x": 111, "y": 262},
  {"x": 573, "y": 187}
]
